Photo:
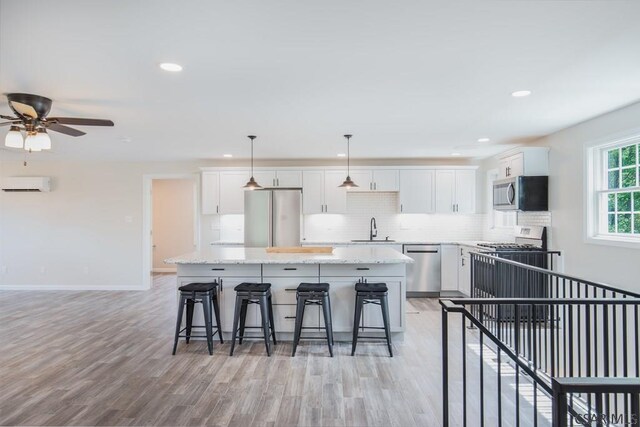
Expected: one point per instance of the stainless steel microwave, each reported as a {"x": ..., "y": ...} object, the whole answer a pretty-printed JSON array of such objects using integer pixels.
[{"x": 522, "y": 193}]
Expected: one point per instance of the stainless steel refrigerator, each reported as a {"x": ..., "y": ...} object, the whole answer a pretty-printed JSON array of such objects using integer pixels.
[{"x": 272, "y": 217}]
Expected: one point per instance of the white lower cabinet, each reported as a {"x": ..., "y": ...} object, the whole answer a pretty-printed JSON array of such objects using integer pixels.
[
  {"x": 284, "y": 318},
  {"x": 464, "y": 270},
  {"x": 228, "y": 302},
  {"x": 449, "y": 267},
  {"x": 343, "y": 300}
]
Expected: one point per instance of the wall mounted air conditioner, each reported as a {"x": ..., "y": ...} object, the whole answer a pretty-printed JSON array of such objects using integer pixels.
[{"x": 27, "y": 184}]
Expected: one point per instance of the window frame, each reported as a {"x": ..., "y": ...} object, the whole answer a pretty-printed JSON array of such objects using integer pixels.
[{"x": 596, "y": 189}]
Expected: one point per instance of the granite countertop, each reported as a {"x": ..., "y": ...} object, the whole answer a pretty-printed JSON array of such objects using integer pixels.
[
  {"x": 470, "y": 243},
  {"x": 241, "y": 255}
]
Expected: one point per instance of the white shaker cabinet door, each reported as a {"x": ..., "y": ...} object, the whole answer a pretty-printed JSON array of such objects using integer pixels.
[
  {"x": 465, "y": 191},
  {"x": 449, "y": 267},
  {"x": 445, "y": 191},
  {"x": 289, "y": 179},
  {"x": 362, "y": 178},
  {"x": 335, "y": 197},
  {"x": 386, "y": 180},
  {"x": 416, "y": 191},
  {"x": 232, "y": 191},
  {"x": 266, "y": 179},
  {"x": 210, "y": 193},
  {"x": 312, "y": 192}
]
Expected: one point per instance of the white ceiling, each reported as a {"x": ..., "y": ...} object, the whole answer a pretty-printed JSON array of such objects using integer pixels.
[{"x": 407, "y": 78}]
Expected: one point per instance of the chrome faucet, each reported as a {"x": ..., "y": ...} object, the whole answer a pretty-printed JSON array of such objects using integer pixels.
[{"x": 373, "y": 230}]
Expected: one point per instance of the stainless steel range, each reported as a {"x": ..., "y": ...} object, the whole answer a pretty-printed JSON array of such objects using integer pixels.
[{"x": 502, "y": 280}]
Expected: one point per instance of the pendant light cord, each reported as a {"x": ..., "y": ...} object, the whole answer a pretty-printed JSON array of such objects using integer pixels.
[{"x": 252, "y": 158}]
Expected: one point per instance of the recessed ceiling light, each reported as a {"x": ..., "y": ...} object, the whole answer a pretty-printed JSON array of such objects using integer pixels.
[
  {"x": 342, "y": 155},
  {"x": 227, "y": 155},
  {"x": 483, "y": 140},
  {"x": 455, "y": 154},
  {"x": 521, "y": 93},
  {"x": 169, "y": 66}
]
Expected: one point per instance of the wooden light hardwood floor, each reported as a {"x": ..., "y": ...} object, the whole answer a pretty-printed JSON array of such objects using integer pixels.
[{"x": 104, "y": 358}]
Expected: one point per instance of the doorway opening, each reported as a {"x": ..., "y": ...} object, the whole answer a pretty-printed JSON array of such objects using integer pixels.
[{"x": 171, "y": 221}]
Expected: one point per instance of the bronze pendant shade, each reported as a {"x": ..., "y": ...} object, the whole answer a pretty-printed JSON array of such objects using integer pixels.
[
  {"x": 348, "y": 183},
  {"x": 252, "y": 184}
]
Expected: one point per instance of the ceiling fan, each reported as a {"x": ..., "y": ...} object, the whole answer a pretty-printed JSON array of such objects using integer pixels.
[{"x": 31, "y": 117}]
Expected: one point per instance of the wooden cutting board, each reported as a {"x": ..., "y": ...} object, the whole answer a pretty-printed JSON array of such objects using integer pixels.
[{"x": 300, "y": 250}]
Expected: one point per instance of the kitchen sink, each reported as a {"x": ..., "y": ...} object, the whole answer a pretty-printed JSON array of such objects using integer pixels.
[{"x": 372, "y": 241}]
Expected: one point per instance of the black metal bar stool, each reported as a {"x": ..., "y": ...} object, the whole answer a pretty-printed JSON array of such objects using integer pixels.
[
  {"x": 313, "y": 294},
  {"x": 371, "y": 293},
  {"x": 201, "y": 293},
  {"x": 253, "y": 293}
]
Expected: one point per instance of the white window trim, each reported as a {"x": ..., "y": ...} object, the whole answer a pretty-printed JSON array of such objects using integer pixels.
[{"x": 593, "y": 169}]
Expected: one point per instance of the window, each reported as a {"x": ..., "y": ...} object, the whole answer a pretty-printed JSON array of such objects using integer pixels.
[{"x": 615, "y": 191}]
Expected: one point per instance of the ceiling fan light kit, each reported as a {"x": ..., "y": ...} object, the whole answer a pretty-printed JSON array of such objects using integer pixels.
[
  {"x": 31, "y": 117},
  {"x": 14, "y": 138}
]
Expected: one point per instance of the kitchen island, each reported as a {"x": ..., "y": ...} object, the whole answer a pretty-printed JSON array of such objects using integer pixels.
[{"x": 342, "y": 269}]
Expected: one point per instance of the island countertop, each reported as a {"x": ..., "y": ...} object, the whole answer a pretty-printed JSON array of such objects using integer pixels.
[{"x": 340, "y": 255}]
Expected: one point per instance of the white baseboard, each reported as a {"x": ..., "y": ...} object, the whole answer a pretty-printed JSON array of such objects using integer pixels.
[
  {"x": 58, "y": 287},
  {"x": 165, "y": 270}
]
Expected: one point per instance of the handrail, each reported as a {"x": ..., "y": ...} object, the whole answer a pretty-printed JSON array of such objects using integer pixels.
[
  {"x": 543, "y": 301},
  {"x": 556, "y": 274},
  {"x": 525, "y": 340},
  {"x": 601, "y": 388},
  {"x": 448, "y": 306}
]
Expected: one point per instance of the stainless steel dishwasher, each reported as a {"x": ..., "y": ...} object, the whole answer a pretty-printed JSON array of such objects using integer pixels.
[{"x": 423, "y": 275}]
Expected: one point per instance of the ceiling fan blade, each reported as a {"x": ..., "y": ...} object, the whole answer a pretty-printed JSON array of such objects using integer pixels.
[
  {"x": 77, "y": 121},
  {"x": 15, "y": 119},
  {"x": 24, "y": 109},
  {"x": 65, "y": 129},
  {"x": 6, "y": 123}
]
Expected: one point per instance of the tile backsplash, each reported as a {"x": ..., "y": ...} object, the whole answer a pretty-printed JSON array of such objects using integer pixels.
[{"x": 383, "y": 206}]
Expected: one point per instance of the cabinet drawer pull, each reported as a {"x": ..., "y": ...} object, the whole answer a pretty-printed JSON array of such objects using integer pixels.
[
  {"x": 217, "y": 269},
  {"x": 290, "y": 268},
  {"x": 290, "y": 289},
  {"x": 289, "y": 317},
  {"x": 362, "y": 268}
]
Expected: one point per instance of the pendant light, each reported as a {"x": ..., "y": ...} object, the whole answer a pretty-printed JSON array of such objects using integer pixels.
[
  {"x": 14, "y": 138},
  {"x": 42, "y": 140},
  {"x": 348, "y": 183},
  {"x": 252, "y": 184}
]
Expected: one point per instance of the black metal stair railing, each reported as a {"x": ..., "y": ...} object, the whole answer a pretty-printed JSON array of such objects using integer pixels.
[
  {"x": 567, "y": 393},
  {"x": 527, "y": 354}
]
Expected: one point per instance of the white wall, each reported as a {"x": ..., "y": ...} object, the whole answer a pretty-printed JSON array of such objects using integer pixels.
[
  {"x": 614, "y": 265},
  {"x": 85, "y": 234}
]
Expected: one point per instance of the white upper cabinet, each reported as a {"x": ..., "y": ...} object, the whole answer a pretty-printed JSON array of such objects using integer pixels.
[
  {"x": 465, "y": 191},
  {"x": 231, "y": 191},
  {"x": 362, "y": 178},
  {"x": 210, "y": 192},
  {"x": 386, "y": 180},
  {"x": 266, "y": 179},
  {"x": 375, "y": 180},
  {"x": 312, "y": 192},
  {"x": 321, "y": 192},
  {"x": 455, "y": 191},
  {"x": 288, "y": 179},
  {"x": 529, "y": 161},
  {"x": 416, "y": 191},
  {"x": 278, "y": 179},
  {"x": 445, "y": 191},
  {"x": 335, "y": 197}
]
